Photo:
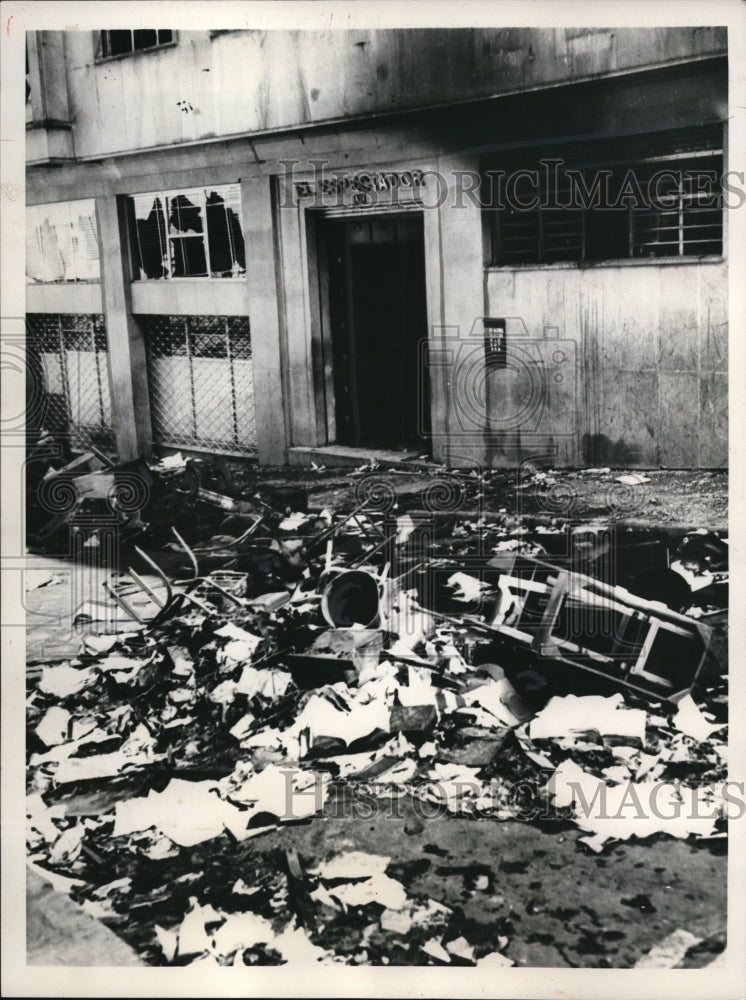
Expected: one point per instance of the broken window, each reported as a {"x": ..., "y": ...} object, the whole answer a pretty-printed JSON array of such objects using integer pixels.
[
  {"x": 636, "y": 197},
  {"x": 62, "y": 242},
  {"x": 187, "y": 234},
  {"x": 122, "y": 43}
]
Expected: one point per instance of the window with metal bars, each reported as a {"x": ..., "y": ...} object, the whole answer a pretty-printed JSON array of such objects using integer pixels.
[
  {"x": 194, "y": 233},
  {"x": 201, "y": 381},
  {"x": 71, "y": 353},
  {"x": 126, "y": 42},
  {"x": 559, "y": 209}
]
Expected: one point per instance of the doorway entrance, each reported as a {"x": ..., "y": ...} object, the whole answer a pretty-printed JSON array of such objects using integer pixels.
[{"x": 377, "y": 315}]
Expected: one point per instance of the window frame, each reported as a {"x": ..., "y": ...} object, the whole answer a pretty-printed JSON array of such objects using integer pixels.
[
  {"x": 74, "y": 233},
  {"x": 676, "y": 160},
  {"x": 200, "y": 196},
  {"x": 98, "y": 44}
]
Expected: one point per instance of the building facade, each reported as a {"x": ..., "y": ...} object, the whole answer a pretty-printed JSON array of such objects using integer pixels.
[{"x": 483, "y": 245}]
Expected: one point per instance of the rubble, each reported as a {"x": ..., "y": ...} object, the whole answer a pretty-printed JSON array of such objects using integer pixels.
[{"x": 293, "y": 658}]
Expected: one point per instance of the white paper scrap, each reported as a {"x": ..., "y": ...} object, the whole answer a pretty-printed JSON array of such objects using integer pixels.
[
  {"x": 53, "y": 728},
  {"x": 669, "y": 952},
  {"x": 573, "y": 714},
  {"x": 64, "y": 680},
  {"x": 691, "y": 721}
]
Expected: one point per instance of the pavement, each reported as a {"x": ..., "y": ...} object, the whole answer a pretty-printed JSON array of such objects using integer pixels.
[
  {"x": 59, "y": 932},
  {"x": 561, "y": 905}
]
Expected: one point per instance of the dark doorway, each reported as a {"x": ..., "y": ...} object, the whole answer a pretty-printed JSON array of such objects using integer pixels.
[{"x": 378, "y": 319}]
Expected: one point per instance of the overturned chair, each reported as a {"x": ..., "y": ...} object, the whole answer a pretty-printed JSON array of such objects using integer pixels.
[{"x": 575, "y": 619}]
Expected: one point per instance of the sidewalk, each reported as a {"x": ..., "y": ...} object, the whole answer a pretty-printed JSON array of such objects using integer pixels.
[{"x": 59, "y": 932}]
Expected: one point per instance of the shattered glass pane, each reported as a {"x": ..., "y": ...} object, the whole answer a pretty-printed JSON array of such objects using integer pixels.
[
  {"x": 150, "y": 236},
  {"x": 188, "y": 258},
  {"x": 184, "y": 215},
  {"x": 183, "y": 253},
  {"x": 62, "y": 242},
  {"x": 227, "y": 252}
]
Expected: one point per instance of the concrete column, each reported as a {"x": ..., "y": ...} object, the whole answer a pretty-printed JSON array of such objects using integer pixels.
[
  {"x": 462, "y": 415},
  {"x": 265, "y": 305},
  {"x": 128, "y": 374}
]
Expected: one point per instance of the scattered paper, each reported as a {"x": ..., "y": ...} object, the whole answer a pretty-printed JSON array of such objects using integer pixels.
[
  {"x": 63, "y": 681},
  {"x": 669, "y": 952},
  {"x": 632, "y": 809},
  {"x": 571, "y": 715},
  {"x": 436, "y": 950},
  {"x": 188, "y": 812},
  {"x": 690, "y": 720},
  {"x": 467, "y": 588},
  {"x": 53, "y": 728},
  {"x": 632, "y": 479}
]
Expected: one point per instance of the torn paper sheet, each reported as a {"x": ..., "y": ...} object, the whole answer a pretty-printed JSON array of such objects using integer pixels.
[
  {"x": 40, "y": 819},
  {"x": 289, "y": 793},
  {"x": 68, "y": 846},
  {"x": 64, "y": 680},
  {"x": 691, "y": 721},
  {"x": 320, "y": 718},
  {"x": 168, "y": 941},
  {"x": 632, "y": 479},
  {"x": 351, "y": 865},
  {"x": 572, "y": 715},
  {"x": 188, "y": 812},
  {"x": 376, "y": 888},
  {"x": 436, "y": 950},
  {"x": 126, "y": 667},
  {"x": 54, "y": 726},
  {"x": 231, "y": 631},
  {"x": 467, "y": 588},
  {"x": 368, "y": 883},
  {"x": 241, "y": 930},
  {"x": 84, "y": 737},
  {"x": 452, "y": 784},
  {"x": 405, "y": 526},
  {"x": 633, "y": 809},
  {"x": 500, "y": 699},
  {"x": 192, "y": 935},
  {"x": 271, "y": 684},
  {"x": 105, "y": 765},
  {"x": 36, "y": 578},
  {"x": 669, "y": 952},
  {"x": 103, "y": 643},
  {"x": 494, "y": 961},
  {"x": 396, "y": 922}
]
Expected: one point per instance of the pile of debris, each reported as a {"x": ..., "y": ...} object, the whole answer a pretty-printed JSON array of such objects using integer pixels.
[{"x": 292, "y": 662}]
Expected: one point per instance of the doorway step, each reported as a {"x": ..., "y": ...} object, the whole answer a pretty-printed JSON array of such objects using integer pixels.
[{"x": 342, "y": 456}]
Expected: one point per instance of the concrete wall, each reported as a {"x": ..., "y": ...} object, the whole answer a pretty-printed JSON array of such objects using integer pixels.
[
  {"x": 648, "y": 381},
  {"x": 643, "y": 367},
  {"x": 210, "y": 85},
  {"x": 70, "y": 297}
]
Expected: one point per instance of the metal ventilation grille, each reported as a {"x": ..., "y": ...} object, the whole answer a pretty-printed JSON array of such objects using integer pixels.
[
  {"x": 201, "y": 382},
  {"x": 71, "y": 354}
]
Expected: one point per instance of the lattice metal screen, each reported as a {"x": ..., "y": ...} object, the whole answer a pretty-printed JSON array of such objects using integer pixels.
[
  {"x": 201, "y": 381},
  {"x": 71, "y": 352}
]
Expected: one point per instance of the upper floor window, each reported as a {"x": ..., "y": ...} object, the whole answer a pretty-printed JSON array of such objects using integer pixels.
[
  {"x": 62, "y": 242},
  {"x": 122, "y": 43},
  {"x": 654, "y": 198},
  {"x": 194, "y": 233}
]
